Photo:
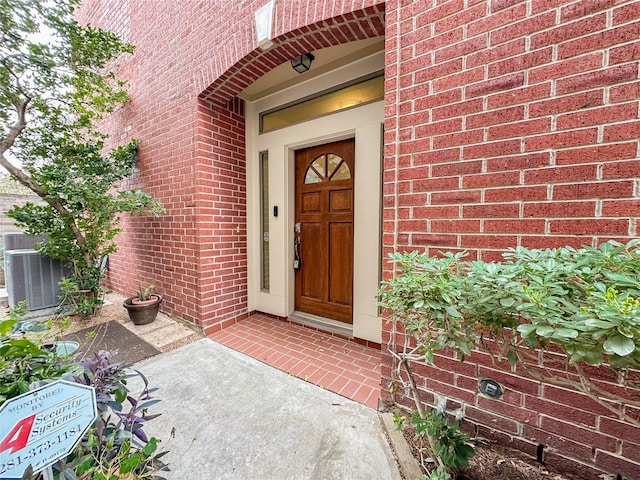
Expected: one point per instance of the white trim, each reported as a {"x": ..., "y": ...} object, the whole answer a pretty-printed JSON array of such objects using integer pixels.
[{"x": 363, "y": 123}]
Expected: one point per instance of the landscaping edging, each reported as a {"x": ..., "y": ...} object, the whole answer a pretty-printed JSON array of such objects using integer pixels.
[{"x": 408, "y": 466}]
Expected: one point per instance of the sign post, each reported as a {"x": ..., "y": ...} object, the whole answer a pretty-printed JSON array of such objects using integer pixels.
[{"x": 42, "y": 426}]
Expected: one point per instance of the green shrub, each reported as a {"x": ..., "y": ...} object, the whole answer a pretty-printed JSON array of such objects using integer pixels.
[
  {"x": 116, "y": 444},
  {"x": 23, "y": 362},
  {"x": 584, "y": 303}
]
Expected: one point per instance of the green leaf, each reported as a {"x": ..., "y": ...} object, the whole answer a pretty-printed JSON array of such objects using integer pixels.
[
  {"x": 507, "y": 302},
  {"x": 465, "y": 347},
  {"x": 120, "y": 395},
  {"x": 565, "y": 333},
  {"x": 526, "y": 329},
  {"x": 150, "y": 447},
  {"x": 129, "y": 463},
  {"x": 590, "y": 357},
  {"x": 619, "y": 345},
  {"x": 464, "y": 453},
  {"x": 592, "y": 322},
  {"x": 593, "y": 357},
  {"x": 622, "y": 280},
  {"x": 6, "y": 326},
  {"x": 452, "y": 311},
  {"x": 544, "y": 331},
  {"x": 601, "y": 287},
  {"x": 85, "y": 464},
  {"x": 429, "y": 357}
]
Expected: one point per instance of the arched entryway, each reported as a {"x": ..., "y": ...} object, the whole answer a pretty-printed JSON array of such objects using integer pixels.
[
  {"x": 229, "y": 146},
  {"x": 231, "y": 138}
]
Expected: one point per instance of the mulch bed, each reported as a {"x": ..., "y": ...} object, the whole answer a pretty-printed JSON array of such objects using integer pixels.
[
  {"x": 492, "y": 462},
  {"x": 112, "y": 336}
]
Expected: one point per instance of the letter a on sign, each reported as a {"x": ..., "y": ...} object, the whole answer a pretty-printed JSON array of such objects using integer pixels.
[{"x": 18, "y": 436}]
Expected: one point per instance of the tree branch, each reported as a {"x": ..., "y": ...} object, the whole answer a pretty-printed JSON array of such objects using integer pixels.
[
  {"x": 8, "y": 142},
  {"x": 5, "y": 144}
]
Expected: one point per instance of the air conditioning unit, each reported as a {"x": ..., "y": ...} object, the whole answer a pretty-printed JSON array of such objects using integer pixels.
[
  {"x": 34, "y": 278},
  {"x": 21, "y": 241}
]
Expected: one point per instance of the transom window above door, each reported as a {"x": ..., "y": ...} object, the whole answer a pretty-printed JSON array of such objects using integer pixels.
[
  {"x": 352, "y": 94},
  {"x": 327, "y": 167}
]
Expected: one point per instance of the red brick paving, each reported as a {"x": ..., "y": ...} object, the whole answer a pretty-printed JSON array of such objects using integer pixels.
[{"x": 339, "y": 365}]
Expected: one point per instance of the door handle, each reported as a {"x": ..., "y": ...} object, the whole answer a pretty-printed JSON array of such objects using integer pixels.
[{"x": 296, "y": 254}]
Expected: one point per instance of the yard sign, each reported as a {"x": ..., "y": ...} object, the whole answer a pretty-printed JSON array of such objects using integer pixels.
[{"x": 44, "y": 425}]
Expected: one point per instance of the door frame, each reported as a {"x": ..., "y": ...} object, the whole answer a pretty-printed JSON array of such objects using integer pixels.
[{"x": 365, "y": 125}]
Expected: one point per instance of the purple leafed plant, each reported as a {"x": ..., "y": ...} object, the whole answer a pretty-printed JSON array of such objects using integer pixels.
[{"x": 117, "y": 438}]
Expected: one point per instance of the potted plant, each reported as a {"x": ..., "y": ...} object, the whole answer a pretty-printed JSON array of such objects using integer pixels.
[{"x": 144, "y": 306}]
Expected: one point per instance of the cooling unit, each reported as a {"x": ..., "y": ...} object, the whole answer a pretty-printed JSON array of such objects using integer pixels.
[{"x": 28, "y": 275}]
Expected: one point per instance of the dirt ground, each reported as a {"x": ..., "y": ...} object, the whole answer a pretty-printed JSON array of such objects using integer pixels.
[
  {"x": 493, "y": 462},
  {"x": 490, "y": 462},
  {"x": 64, "y": 324}
]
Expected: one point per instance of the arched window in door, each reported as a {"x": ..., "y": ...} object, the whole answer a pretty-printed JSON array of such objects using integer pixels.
[{"x": 327, "y": 167}]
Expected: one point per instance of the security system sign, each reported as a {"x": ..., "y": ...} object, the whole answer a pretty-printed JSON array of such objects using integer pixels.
[{"x": 44, "y": 425}]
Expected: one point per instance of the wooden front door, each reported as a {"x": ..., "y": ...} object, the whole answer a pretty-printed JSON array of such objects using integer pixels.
[{"x": 324, "y": 230}]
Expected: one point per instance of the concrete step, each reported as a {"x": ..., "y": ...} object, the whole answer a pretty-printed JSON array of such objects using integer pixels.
[{"x": 164, "y": 333}]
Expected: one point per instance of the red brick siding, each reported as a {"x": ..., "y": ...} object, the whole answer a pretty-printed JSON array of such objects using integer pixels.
[
  {"x": 483, "y": 91},
  {"x": 191, "y": 61},
  {"x": 221, "y": 206},
  {"x": 514, "y": 123}
]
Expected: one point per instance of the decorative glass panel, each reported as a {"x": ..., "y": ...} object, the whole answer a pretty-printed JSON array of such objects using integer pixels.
[
  {"x": 311, "y": 176},
  {"x": 333, "y": 162},
  {"x": 330, "y": 166},
  {"x": 343, "y": 173},
  {"x": 334, "y": 100},
  {"x": 319, "y": 165},
  {"x": 264, "y": 220}
]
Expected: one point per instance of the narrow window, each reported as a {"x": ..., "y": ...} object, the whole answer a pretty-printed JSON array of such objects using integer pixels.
[
  {"x": 264, "y": 220},
  {"x": 353, "y": 94}
]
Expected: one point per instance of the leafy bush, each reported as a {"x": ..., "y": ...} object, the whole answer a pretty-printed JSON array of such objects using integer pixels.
[
  {"x": 450, "y": 443},
  {"x": 446, "y": 445},
  {"x": 116, "y": 444},
  {"x": 584, "y": 303},
  {"x": 23, "y": 362}
]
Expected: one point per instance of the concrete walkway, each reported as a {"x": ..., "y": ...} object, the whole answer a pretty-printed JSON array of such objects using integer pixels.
[{"x": 236, "y": 418}]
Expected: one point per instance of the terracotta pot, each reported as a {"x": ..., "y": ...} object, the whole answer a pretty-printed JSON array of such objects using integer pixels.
[
  {"x": 152, "y": 300},
  {"x": 145, "y": 312}
]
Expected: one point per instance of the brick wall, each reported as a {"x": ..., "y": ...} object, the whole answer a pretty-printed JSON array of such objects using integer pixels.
[
  {"x": 192, "y": 59},
  {"x": 515, "y": 123},
  {"x": 222, "y": 206}
]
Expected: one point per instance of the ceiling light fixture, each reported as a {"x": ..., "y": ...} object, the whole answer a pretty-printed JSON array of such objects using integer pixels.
[{"x": 302, "y": 63}]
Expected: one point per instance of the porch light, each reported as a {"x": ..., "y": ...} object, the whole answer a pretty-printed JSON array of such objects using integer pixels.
[{"x": 302, "y": 63}]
